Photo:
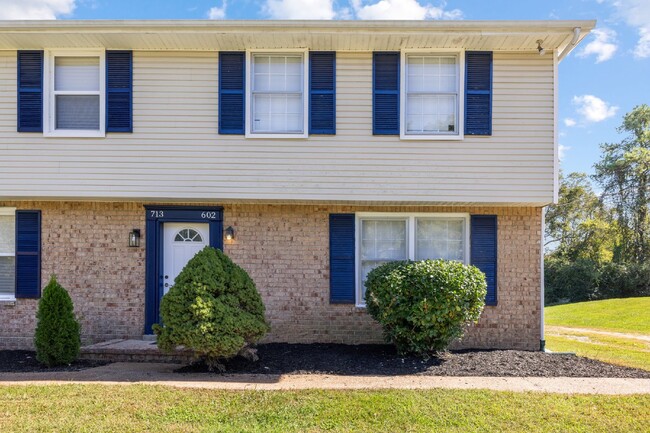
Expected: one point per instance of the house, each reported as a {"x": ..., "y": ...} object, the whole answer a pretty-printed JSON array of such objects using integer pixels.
[{"x": 309, "y": 151}]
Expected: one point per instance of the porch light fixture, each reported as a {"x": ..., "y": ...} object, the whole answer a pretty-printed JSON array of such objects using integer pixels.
[
  {"x": 541, "y": 49},
  {"x": 229, "y": 233},
  {"x": 134, "y": 238}
]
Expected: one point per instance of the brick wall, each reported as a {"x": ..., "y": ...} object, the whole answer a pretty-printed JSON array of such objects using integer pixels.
[{"x": 284, "y": 248}]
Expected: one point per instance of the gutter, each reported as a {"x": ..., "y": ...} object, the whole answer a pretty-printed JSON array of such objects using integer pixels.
[
  {"x": 571, "y": 45},
  {"x": 542, "y": 341}
]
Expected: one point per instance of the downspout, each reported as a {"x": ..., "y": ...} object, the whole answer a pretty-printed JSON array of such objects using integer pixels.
[
  {"x": 542, "y": 341},
  {"x": 571, "y": 44}
]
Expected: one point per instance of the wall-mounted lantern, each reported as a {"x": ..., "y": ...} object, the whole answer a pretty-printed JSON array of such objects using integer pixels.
[
  {"x": 134, "y": 238},
  {"x": 229, "y": 233}
]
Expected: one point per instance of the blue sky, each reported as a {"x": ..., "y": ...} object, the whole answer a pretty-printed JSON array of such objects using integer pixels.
[{"x": 599, "y": 82}]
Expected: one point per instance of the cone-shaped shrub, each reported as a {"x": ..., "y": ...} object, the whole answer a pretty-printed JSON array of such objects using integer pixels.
[
  {"x": 424, "y": 306},
  {"x": 213, "y": 309},
  {"x": 57, "y": 337}
]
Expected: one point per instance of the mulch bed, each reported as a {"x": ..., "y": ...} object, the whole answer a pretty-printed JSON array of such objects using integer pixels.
[
  {"x": 382, "y": 360},
  {"x": 24, "y": 361}
]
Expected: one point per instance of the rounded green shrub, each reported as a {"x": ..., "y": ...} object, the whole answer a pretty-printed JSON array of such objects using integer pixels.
[
  {"x": 423, "y": 306},
  {"x": 57, "y": 338},
  {"x": 213, "y": 309}
]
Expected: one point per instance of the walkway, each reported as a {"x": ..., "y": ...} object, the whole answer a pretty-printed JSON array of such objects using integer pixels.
[{"x": 125, "y": 373}]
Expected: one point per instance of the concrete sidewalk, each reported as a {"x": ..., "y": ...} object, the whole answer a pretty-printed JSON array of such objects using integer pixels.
[{"x": 125, "y": 373}]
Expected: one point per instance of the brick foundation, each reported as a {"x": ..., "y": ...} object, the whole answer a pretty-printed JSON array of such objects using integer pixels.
[{"x": 285, "y": 250}]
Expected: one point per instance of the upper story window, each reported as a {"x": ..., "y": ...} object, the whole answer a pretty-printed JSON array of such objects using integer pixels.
[
  {"x": 74, "y": 94},
  {"x": 431, "y": 101},
  {"x": 7, "y": 253},
  {"x": 277, "y": 97}
]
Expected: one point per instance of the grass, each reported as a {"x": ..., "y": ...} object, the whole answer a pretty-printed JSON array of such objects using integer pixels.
[
  {"x": 136, "y": 408},
  {"x": 583, "y": 325},
  {"x": 620, "y": 315}
]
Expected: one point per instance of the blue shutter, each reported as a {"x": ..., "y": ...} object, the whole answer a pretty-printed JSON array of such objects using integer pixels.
[
  {"x": 322, "y": 92},
  {"x": 232, "y": 67},
  {"x": 30, "y": 91},
  {"x": 478, "y": 93},
  {"x": 385, "y": 93},
  {"x": 342, "y": 273},
  {"x": 484, "y": 252},
  {"x": 28, "y": 254},
  {"x": 119, "y": 91}
]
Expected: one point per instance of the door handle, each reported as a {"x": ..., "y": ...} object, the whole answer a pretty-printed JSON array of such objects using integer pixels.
[{"x": 166, "y": 284}]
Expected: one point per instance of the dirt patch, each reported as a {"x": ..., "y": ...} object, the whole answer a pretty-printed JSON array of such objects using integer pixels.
[
  {"x": 24, "y": 361},
  {"x": 382, "y": 360}
]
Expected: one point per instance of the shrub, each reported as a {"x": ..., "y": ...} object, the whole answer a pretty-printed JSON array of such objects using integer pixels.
[
  {"x": 570, "y": 281},
  {"x": 57, "y": 338},
  {"x": 213, "y": 309},
  {"x": 423, "y": 306}
]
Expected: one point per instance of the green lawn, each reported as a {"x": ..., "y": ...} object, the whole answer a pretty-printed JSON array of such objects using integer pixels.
[
  {"x": 135, "y": 408},
  {"x": 630, "y": 316}
]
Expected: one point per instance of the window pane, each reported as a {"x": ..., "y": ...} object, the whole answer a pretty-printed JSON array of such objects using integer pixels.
[
  {"x": 431, "y": 113},
  {"x": 432, "y": 74},
  {"x": 76, "y": 73},
  {"x": 277, "y": 113},
  {"x": 77, "y": 112},
  {"x": 440, "y": 239},
  {"x": 7, "y": 234},
  {"x": 277, "y": 73},
  {"x": 382, "y": 241},
  {"x": 7, "y": 276}
]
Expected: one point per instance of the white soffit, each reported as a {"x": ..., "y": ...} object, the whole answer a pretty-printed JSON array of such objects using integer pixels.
[{"x": 210, "y": 35}]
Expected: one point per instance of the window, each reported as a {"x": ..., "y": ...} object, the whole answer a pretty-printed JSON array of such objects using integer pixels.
[
  {"x": 431, "y": 102},
  {"x": 383, "y": 238},
  {"x": 74, "y": 89},
  {"x": 277, "y": 98},
  {"x": 7, "y": 253},
  {"x": 188, "y": 235}
]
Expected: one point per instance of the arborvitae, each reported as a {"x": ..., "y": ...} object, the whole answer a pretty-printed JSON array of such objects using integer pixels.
[{"x": 57, "y": 337}]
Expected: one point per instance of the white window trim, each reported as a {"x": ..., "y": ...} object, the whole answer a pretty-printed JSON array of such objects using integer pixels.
[
  {"x": 461, "y": 95},
  {"x": 410, "y": 217},
  {"x": 49, "y": 100},
  {"x": 305, "y": 94},
  {"x": 8, "y": 211}
]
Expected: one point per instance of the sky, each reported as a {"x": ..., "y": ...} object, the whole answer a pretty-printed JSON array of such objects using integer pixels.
[{"x": 604, "y": 78}]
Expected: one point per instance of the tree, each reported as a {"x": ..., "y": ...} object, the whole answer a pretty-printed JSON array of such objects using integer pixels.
[
  {"x": 624, "y": 175},
  {"x": 57, "y": 337},
  {"x": 578, "y": 226}
]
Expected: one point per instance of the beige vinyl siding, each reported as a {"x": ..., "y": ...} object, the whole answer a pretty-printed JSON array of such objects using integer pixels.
[{"x": 175, "y": 152}]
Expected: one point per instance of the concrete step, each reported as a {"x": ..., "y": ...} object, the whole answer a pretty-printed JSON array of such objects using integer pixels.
[{"x": 132, "y": 351}]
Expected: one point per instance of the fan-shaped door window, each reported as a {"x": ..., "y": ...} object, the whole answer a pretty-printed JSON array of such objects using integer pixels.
[{"x": 188, "y": 235}]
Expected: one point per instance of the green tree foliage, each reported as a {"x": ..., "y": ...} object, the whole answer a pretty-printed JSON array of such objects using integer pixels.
[
  {"x": 57, "y": 337},
  {"x": 579, "y": 225},
  {"x": 624, "y": 175},
  {"x": 423, "y": 306},
  {"x": 213, "y": 309}
]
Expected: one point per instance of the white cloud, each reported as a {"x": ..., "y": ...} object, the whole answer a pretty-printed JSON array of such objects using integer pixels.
[
  {"x": 35, "y": 9},
  {"x": 593, "y": 109},
  {"x": 218, "y": 13},
  {"x": 636, "y": 13},
  {"x": 403, "y": 10},
  {"x": 562, "y": 150},
  {"x": 300, "y": 9},
  {"x": 569, "y": 122},
  {"x": 603, "y": 45}
]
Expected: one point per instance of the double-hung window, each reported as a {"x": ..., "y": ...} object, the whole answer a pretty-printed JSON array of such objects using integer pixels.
[
  {"x": 7, "y": 253},
  {"x": 74, "y": 92},
  {"x": 431, "y": 102},
  {"x": 383, "y": 238},
  {"x": 277, "y": 99}
]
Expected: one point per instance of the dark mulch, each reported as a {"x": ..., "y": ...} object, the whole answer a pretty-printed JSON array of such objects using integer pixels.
[
  {"x": 24, "y": 361},
  {"x": 380, "y": 360}
]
